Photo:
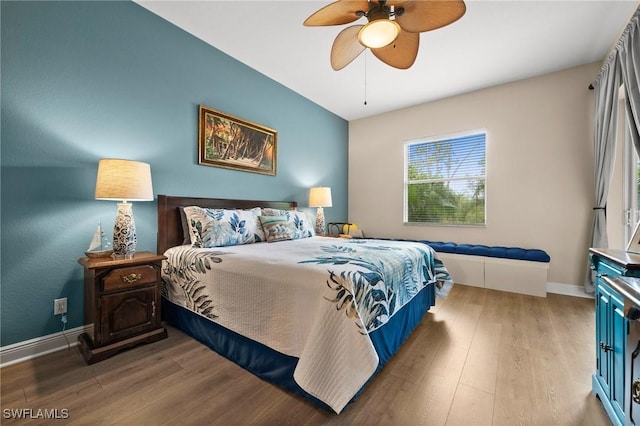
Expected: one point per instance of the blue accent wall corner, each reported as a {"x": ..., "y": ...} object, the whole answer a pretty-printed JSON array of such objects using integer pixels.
[{"x": 88, "y": 80}]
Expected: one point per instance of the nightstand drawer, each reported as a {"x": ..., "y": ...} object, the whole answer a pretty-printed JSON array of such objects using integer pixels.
[{"x": 134, "y": 276}]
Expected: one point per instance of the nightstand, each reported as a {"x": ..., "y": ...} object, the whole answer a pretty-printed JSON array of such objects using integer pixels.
[{"x": 122, "y": 301}]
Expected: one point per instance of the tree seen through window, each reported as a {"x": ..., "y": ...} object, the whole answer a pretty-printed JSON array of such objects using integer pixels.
[{"x": 445, "y": 180}]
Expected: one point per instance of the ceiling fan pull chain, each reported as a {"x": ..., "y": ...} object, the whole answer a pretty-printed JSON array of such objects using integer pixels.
[{"x": 365, "y": 78}]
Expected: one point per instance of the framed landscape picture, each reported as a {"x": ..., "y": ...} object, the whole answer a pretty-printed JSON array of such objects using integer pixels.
[{"x": 233, "y": 143}]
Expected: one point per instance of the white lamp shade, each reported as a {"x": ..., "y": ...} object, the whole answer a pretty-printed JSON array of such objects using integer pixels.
[
  {"x": 320, "y": 197},
  {"x": 123, "y": 180}
]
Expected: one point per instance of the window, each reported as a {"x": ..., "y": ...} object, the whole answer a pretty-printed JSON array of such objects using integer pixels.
[
  {"x": 631, "y": 186},
  {"x": 445, "y": 180},
  {"x": 623, "y": 199}
]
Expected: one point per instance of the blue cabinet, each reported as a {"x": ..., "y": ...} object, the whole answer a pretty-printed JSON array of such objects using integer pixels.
[
  {"x": 610, "y": 349},
  {"x": 609, "y": 380}
]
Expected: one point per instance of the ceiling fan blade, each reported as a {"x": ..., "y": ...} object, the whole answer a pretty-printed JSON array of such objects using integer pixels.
[
  {"x": 426, "y": 15},
  {"x": 337, "y": 13},
  {"x": 402, "y": 53},
  {"x": 346, "y": 47}
]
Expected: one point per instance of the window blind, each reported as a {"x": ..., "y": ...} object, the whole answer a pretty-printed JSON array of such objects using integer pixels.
[{"x": 445, "y": 180}]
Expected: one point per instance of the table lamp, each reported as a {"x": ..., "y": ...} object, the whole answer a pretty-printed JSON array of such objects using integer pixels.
[
  {"x": 320, "y": 197},
  {"x": 124, "y": 180}
]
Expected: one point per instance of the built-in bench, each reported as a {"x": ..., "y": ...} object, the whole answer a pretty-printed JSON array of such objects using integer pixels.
[{"x": 511, "y": 269}]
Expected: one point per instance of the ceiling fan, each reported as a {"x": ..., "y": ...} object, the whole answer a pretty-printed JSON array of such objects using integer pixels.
[{"x": 393, "y": 30}]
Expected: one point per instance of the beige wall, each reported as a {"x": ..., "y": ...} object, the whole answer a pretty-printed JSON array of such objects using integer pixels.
[{"x": 539, "y": 167}]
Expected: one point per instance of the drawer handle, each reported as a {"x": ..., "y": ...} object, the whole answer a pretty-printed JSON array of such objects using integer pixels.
[
  {"x": 605, "y": 348},
  {"x": 153, "y": 309},
  {"x": 131, "y": 278},
  {"x": 635, "y": 391}
]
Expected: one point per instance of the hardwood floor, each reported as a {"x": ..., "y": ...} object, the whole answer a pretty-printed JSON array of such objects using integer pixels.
[{"x": 480, "y": 357}]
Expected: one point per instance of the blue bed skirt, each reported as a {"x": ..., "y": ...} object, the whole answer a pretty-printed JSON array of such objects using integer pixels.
[{"x": 277, "y": 367}]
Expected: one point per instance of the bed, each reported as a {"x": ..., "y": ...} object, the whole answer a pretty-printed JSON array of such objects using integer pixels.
[{"x": 316, "y": 315}]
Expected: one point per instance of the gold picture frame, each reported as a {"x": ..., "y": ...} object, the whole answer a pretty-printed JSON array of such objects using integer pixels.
[{"x": 234, "y": 143}]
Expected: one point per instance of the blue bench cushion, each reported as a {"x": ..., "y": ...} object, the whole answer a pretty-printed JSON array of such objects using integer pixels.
[{"x": 533, "y": 255}]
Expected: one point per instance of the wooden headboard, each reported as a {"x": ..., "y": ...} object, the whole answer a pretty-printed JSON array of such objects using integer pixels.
[{"x": 170, "y": 232}]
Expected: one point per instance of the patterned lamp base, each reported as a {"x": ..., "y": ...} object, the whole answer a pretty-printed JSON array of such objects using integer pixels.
[
  {"x": 124, "y": 232},
  {"x": 320, "y": 225}
]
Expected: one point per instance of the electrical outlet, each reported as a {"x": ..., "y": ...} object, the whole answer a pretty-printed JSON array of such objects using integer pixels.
[{"x": 60, "y": 306}]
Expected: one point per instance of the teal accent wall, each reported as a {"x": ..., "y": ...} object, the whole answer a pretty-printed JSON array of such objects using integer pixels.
[{"x": 88, "y": 80}]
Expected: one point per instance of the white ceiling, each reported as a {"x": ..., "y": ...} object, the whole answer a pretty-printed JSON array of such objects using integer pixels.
[{"x": 493, "y": 43}]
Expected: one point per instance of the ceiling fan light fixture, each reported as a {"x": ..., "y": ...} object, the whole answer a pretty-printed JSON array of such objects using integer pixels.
[{"x": 379, "y": 33}]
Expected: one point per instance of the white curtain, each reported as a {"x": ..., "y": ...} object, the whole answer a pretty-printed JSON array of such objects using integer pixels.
[
  {"x": 629, "y": 52},
  {"x": 621, "y": 66},
  {"x": 606, "y": 119}
]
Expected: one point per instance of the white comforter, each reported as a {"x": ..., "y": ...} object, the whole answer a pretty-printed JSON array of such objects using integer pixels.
[{"x": 315, "y": 299}]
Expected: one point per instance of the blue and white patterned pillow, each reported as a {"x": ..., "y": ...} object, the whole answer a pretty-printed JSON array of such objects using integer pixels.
[
  {"x": 223, "y": 227},
  {"x": 300, "y": 221},
  {"x": 276, "y": 228}
]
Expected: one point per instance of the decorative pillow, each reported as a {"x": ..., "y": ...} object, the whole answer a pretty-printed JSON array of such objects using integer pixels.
[
  {"x": 302, "y": 227},
  {"x": 276, "y": 228},
  {"x": 193, "y": 221},
  {"x": 186, "y": 234},
  {"x": 223, "y": 227},
  {"x": 268, "y": 211}
]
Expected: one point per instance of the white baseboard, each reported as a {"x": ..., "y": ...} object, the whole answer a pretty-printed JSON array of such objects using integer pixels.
[
  {"x": 568, "y": 290},
  {"x": 28, "y": 349}
]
